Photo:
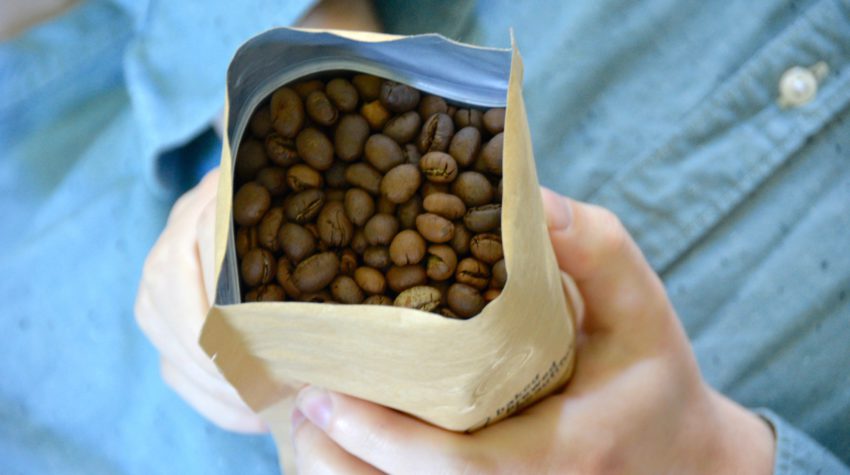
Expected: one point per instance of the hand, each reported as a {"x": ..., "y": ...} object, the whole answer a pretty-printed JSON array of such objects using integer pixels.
[
  {"x": 636, "y": 403},
  {"x": 176, "y": 289}
]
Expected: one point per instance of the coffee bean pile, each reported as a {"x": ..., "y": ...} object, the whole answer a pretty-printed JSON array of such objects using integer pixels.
[{"x": 356, "y": 189}]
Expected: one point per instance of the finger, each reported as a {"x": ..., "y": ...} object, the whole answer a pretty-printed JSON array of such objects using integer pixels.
[
  {"x": 621, "y": 291},
  {"x": 316, "y": 453},
  {"x": 205, "y": 248},
  {"x": 227, "y": 416},
  {"x": 385, "y": 439},
  {"x": 170, "y": 305}
]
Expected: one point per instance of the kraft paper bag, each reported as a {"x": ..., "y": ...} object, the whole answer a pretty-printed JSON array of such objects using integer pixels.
[{"x": 460, "y": 375}]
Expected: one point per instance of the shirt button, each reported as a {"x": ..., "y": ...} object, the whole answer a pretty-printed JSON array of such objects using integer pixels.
[{"x": 799, "y": 85}]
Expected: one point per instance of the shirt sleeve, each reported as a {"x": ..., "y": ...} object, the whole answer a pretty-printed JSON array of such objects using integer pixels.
[{"x": 797, "y": 453}]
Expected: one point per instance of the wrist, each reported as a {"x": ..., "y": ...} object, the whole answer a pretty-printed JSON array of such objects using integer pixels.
[{"x": 741, "y": 441}]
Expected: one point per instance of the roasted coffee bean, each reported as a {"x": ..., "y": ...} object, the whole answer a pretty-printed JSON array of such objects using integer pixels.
[
  {"x": 301, "y": 177},
  {"x": 411, "y": 154},
  {"x": 380, "y": 229},
  {"x": 304, "y": 88},
  {"x": 316, "y": 272},
  {"x": 465, "y": 145},
  {"x": 315, "y": 148},
  {"x": 436, "y": 134},
  {"x": 469, "y": 118},
  {"x": 268, "y": 228},
  {"x": 494, "y": 121},
  {"x": 258, "y": 267},
  {"x": 273, "y": 179},
  {"x": 491, "y": 155},
  {"x": 370, "y": 280},
  {"x": 378, "y": 300},
  {"x": 335, "y": 175},
  {"x": 407, "y": 247},
  {"x": 401, "y": 183},
  {"x": 448, "y": 206},
  {"x": 287, "y": 112},
  {"x": 403, "y": 128},
  {"x": 251, "y": 203},
  {"x": 368, "y": 86},
  {"x": 402, "y": 278},
  {"x": 408, "y": 211},
  {"x": 359, "y": 242},
  {"x": 441, "y": 262},
  {"x": 302, "y": 207},
  {"x": 460, "y": 240},
  {"x": 398, "y": 97},
  {"x": 375, "y": 114},
  {"x": 443, "y": 287},
  {"x": 473, "y": 188},
  {"x": 343, "y": 94},
  {"x": 261, "y": 122},
  {"x": 482, "y": 219},
  {"x": 383, "y": 152},
  {"x": 345, "y": 290},
  {"x": 335, "y": 229},
  {"x": 343, "y": 199},
  {"x": 320, "y": 109},
  {"x": 429, "y": 188},
  {"x": 500, "y": 275},
  {"x": 296, "y": 241},
  {"x": 447, "y": 312},
  {"x": 420, "y": 297},
  {"x": 284, "y": 278},
  {"x": 250, "y": 159},
  {"x": 465, "y": 301},
  {"x": 472, "y": 272},
  {"x": 435, "y": 228},
  {"x": 377, "y": 257},
  {"x": 430, "y": 105},
  {"x": 486, "y": 248},
  {"x": 246, "y": 239},
  {"x": 321, "y": 296},
  {"x": 364, "y": 176},
  {"x": 314, "y": 230},
  {"x": 359, "y": 206},
  {"x": 281, "y": 150},
  {"x": 347, "y": 262},
  {"x": 438, "y": 167},
  {"x": 270, "y": 293},
  {"x": 350, "y": 137},
  {"x": 491, "y": 294}
]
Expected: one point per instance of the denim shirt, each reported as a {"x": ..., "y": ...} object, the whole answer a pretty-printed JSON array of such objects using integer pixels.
[{"x": 664, "y": 111}]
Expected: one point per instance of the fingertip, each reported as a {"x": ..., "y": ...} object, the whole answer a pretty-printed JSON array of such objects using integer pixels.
[
  {"x": 315, "y": 403},
  {"x": 558, "y": 210}
]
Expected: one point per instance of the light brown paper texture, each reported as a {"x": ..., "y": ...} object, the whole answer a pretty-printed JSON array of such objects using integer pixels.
[{"x": 457, "y": 374}]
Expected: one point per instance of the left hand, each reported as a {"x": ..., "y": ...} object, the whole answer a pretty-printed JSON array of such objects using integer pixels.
[{"x": 636, "y": 402}]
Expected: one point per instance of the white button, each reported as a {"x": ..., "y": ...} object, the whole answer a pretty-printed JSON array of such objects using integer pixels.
[{"x": 799, "y": 85}]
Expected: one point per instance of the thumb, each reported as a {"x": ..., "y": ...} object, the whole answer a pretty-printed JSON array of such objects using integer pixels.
[{"x": 621, "y": 291}]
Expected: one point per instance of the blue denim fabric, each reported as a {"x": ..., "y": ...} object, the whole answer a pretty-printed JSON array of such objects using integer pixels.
[{"x": 663, "y": 110}]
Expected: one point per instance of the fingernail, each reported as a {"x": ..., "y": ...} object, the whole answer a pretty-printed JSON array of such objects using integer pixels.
[
  {"x": 297, "y": 419},
  {"x": 315, "y": 403},
  {"x": 559, "y": 215}
]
